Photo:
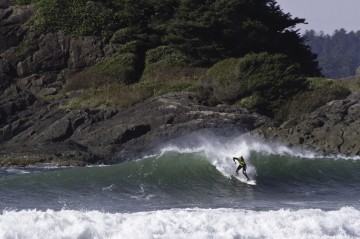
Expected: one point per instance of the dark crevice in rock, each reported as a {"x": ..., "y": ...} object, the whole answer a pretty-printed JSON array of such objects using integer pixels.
[
  {"x": 342, "y": 141},
  {"x": 133, "y": 133}
]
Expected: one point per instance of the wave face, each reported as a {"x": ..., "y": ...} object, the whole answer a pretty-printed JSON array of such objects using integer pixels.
[
  {"x": 187, "y": 178},
  {"x": 182, "y": 223}
]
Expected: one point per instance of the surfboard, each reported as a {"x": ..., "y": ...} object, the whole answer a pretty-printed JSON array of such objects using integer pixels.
[{"x": 243, "y": 179}]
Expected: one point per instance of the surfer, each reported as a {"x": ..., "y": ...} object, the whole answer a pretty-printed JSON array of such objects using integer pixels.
[{"x": 242, "y": 165}]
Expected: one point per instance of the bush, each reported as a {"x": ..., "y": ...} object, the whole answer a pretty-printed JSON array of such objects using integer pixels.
[
  {"x": 119, "y": 69},
  {"x": 79, "y": 17},
  {"x": 108, "y": 96},
  {"x": 308, "y": 101},
  {"x": 266, "y": 80},
  {"x": 167, "y": 55},
  {"x": 316, "y": 82},
  {"x": 22, "y": 2},
  {"x": 124, "y": 35},
  {"x": 169, "y": 70}
]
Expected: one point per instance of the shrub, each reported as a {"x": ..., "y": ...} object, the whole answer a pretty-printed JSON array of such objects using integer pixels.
[
  {"x": 160, "y": 79},
  {"x": 108, "y": 96},
  {"x": 119, "y": 69},
  {"x": 308, "y": 101},
  {"x": 316, "y": 82},
  {"x": 167, "y": 55},
  {"x": 79, "y": 17},
  {"x": 22, "y": 2},
  {"x": 268, "y": 80},
  {"x": 169, "y": 70},
  {"x": 123, "y": 35}
]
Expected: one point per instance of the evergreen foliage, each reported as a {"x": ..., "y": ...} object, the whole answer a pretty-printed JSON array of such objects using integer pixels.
[
  {"x": 260, "y": 82},
  {"x": 338, "y": 54},
  {"x": 205, "y": 31}
]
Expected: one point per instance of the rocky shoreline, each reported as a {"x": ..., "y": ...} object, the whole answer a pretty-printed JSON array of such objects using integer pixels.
[{"x": 81, "y": 137}]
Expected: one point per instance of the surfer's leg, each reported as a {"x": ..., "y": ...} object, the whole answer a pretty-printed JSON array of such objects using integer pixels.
[
  {"x": 244, "y": 172},
  {"x": 238, "y": 168}
]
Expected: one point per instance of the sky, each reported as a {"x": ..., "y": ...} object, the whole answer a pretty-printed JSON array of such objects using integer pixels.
[{"x": 324, "y": 15}]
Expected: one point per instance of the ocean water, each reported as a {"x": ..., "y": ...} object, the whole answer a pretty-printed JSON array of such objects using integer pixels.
[{"x": 188, "y": 191}]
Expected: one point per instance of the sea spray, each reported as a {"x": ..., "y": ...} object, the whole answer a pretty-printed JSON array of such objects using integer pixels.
[
  {"x": 182, "y": 223},
  {"x": 219, "y": 151}
]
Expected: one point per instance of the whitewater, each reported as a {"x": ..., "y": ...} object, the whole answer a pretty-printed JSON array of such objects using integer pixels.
[{"x": 188, "y": 190}]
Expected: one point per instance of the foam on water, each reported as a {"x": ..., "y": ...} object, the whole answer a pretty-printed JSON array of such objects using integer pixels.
[
  {"x": 182, "y": 223},
  {"x": 219, "y": 151}
]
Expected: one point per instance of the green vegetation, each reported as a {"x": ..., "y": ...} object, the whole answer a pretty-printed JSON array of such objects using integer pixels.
[
  {"x": 307, "y": 101},
  {"x": 260, "y": 82},
  {"x": 120, "y": 69},
  {"x": 338, "y": 54},
  {"x": 28, "y": 45},
  {"x": 204, "y": 31},
  {"x": 245, "y": 52},
  {"x": 109, "y": 95},
  {"x": 351, "y": 83}
]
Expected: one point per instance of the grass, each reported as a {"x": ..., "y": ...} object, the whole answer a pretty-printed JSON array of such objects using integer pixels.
[
  {"x": 307, "y": 101},
  {"x": 107, "y": 96},
  {"x": 94, "y": 91},
  {"x": 351, "y": 83}
]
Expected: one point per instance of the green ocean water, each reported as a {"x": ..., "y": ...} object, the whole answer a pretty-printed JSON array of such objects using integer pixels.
[{"x": 182, "y": 180}]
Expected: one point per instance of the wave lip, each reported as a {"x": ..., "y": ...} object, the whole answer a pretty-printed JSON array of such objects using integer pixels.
[{"x": 182, "y": 223}]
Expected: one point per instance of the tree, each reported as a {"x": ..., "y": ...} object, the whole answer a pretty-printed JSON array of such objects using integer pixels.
[
  {"x": 205, "y": 31},
  {"x": 338, "y": 54}
]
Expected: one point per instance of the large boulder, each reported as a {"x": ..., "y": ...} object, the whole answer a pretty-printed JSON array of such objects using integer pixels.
[
  {"x": 12, "y": 28},
  {"x": 51, "y": 54},
  {"x": 84, "y": 51}
]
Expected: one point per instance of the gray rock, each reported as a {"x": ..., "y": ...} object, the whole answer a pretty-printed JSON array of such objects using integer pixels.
[
  {"x": 84, "y": 51},
  {"x": 12, "y": 26},
  {"x": 5, "y": 3},
  {"x": 331, "y": 129},
  {"x": 52, "y": 55},
  {"x": 47, "y": 92},
  {"x": 110, "y": 136},
  {"x": 60, "y": 130}
]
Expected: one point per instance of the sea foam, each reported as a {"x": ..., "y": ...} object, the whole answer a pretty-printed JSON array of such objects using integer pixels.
[{"x": 182, "y": 223}]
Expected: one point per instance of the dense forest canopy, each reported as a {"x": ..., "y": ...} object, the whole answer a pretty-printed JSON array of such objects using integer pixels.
[
  {"x": 205, "y": 31},
  {"x": 338, "y": 54}
]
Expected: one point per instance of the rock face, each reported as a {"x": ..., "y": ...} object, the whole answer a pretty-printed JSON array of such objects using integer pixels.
[
  {"x": 332, "y": 129},
  {"x": 48, "y": 134},
  {"x": 11, "y": 24}
]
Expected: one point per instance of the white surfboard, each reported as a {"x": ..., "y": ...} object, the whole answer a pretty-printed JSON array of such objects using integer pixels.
[{"x": 242, "y": 179}]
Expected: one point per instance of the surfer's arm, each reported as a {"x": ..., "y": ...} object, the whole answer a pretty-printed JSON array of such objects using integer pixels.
[{"x": 235, "y": 159}]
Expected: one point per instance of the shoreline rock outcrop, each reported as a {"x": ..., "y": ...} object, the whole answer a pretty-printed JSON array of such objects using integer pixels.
[
  {"x": 53, "y": 135},
  {"x": 333, "y": 129}
]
